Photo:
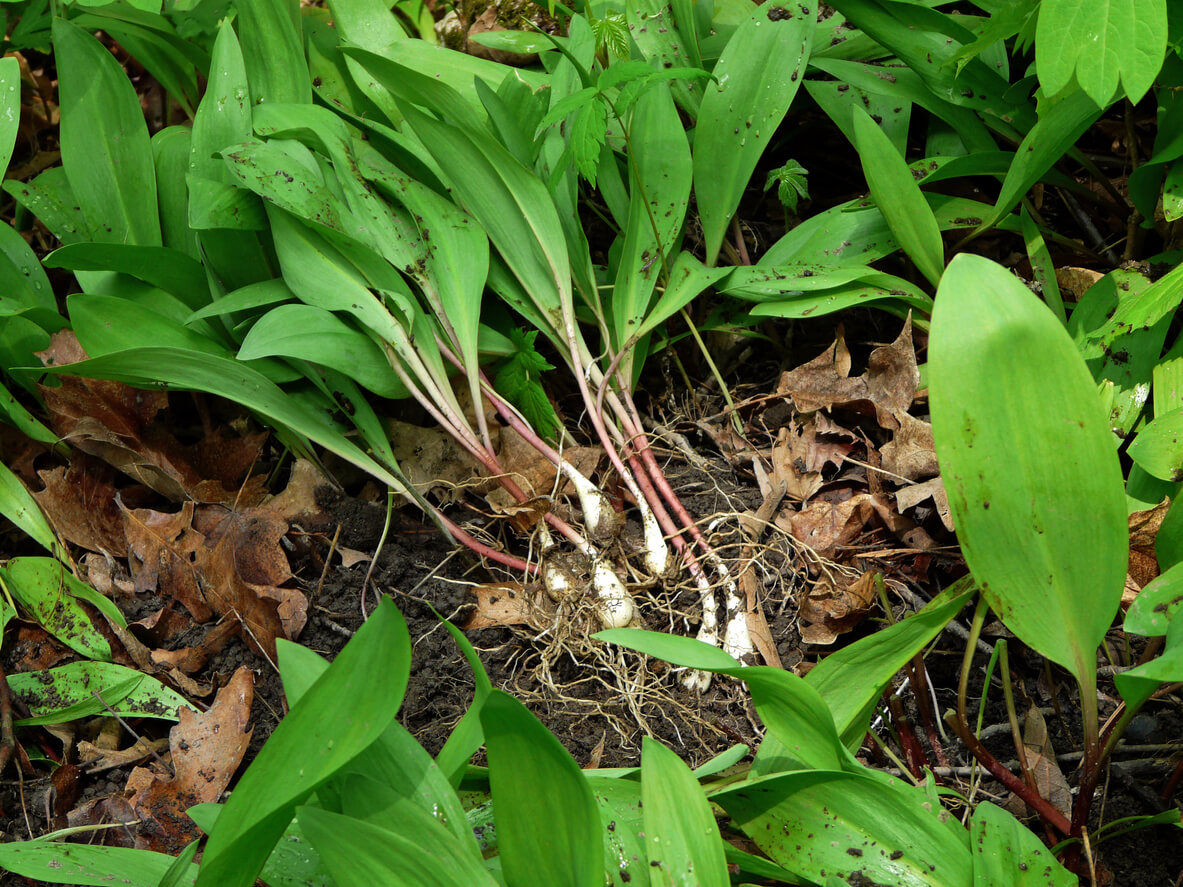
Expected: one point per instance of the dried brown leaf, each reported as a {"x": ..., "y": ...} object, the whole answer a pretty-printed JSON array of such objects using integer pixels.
[
  {"x": 911, "y": 453},
  {"x": 828, "y": 610},
  {"x": 79, "y": 500},
  {"x": 206, "y": 748},
  {"x": 826, "y": 525},
  {"x": 507, "y": 603}
]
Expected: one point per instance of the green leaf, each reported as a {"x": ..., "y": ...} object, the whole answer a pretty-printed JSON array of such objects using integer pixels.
[
  {"x": 1025, "y": 449},
  {"x": 104, "y": 140},
  {"x": 1158, "y": 448},
  {"x": 652, "y": 26},
  {"x": 1156, "y": 604},
  {"x": 681, "y": 836},
  {"x": 832, "y": 823},
  {"x": 313, "y": 334},
  {"x": 518, "y": 380},
  {"x": 336, "y": 719},
  {"x": 410, "y": 848},
  {"x": 49, "y": 593},
  {"x": 1138, "y": 684},
  {"x": 791, "y": 184},
  {"x": 10, "y": 107},
  {"x": 467, "y": 736},
  {"x": 548, "y": 825},
  {"x": 1058, "y": 128},
  {"x": 660, "y": 173},
  {"x": 1007, "y": 854},
  {"x": 68, "y": 692},
  {"x": 171, "y": 148},
  {"x": 273, "y": 49},
  {"x": 170, "y": 270},
  {"x": 899, "y": 198},
  {"x": 19, "y": 506},
  {"x": 755, "y": 81},
  {"x": 83, "y": 865},
  {"x": 1100, "y": 42},
  {"x": 49, "y": 198}
]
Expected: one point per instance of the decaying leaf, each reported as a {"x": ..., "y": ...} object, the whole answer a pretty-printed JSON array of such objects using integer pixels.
[
  {"x": 118, "y": 424},
  {"x": 534, "y": 473},
  {"x": 431, "y": 459},
  {"x": 1050, "y": 781},
  {"x": 206, "y": 750},
  {"x": 910, "y": 496},
  {"x": 215, "y": 561},
  {"x": 508, "y": 603},
  {"x": 825, "y": 525},
  {"x": 79, "y": 500},
  {"x": 830, "y": 609},
  {"x": 911, "y": 452}
]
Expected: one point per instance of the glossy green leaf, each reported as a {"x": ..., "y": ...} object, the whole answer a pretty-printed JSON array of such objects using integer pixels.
[
  {"x": 170, "y": 270},
  {"x": 255, "y": 295},
  {"x": 467, "y": 736},
  {"x": 852, "y": 679},
  {"x": 681, "y": 836},
  {"x": 73, "y": 691},
  {"x": 1138, "y": 684},
  {"x": 661, "y": 39},
  {"x": 622, "y": 827},
  {"x": 1157, "y": 604},
  {"x": 756, "y": 79},
  {"x": 1059, "y": 126},
  {"x": 105, "y": 148},
  {"x": 50, "y": 198},
  {"x": 48, "y": 592},
  {"x": 19, "y": 506},
  {"x": 680, "y": 650},
  {"x": 273, "y": 49},
  {"x": 1099, "y": 43},
  {"x": 898, "y": 197},
  {"x": 688, "y": 279},
  {"x": 171, "y": 148},
  {"x": 337, "y": 718},
  {"x": 410, "y": 848},
  {"x": 660, "y": 172},
  {"x": 1007, "y": 854},
  {"x": 830, "y": 823},
  {"x": 23, "y": 284},
  {"x": 84, "y": 865},
  {"x": 1158, "y": 448},
  {"x": 548, "y": 825},
  {"x": 314, "y": 334},
  {"x": 10, "y": 107},
  {"x": 1025, "y": 449},
  {"x": 512, "y": 205},
  {"x": 1146, "y": 308}
]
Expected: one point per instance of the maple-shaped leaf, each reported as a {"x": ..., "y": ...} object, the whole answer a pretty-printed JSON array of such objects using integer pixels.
[{"x": 519, "y": 382}]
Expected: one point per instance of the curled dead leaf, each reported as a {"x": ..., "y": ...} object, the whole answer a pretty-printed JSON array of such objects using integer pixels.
[{"x": 829, "y": 610}]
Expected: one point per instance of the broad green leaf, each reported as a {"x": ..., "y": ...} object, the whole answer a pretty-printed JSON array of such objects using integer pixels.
[
  {"x": 104, "y": 140},
  {"x": 1008, "y": 854},
  {"x": 467, "y": 736},
  {"x": 23, "y": 284},
  {"x": 548, "y": 825},
  {"x": 622, "y": 826},
  {"x": 688, "y": 278},
  {"x": 681, "y": 836},
  {"x": 223, "y": 119},
  {"x": 660, "y": 172},
  {"x": 337, "y": 718},
  {"x": 792, "y": 710},
  {"x": 839, "y": 100},
  {"x": 171, "y": 148},
  {"x": 1156, "y": 604},
  {"x": 1146, "y": 308},
  {"x": 50, "y": 199},
  {"x": 660, "y": 39},
  {"x": 833, "y": 823},
  {"x": 170, "y": 270},
  {"x": 1138, "y": 684},
  {"x": 410, "y": 848},
  {"x": 49, "y": 593},
  {"x": 10, "y": 107},
  {"x": 19, "y": 506},
  {"x": 898, "y": 197},
  {"x": 84, "y": 865},
  {"x": 1100, "y": 42},
  {"x": 1158, "y": 448},
  {"x": 179, "y": 873},
  {"x": 1025, "y": 450},
  {"x": 255, "y": 295},
  {"x": 313, "y": 334},
  {"x": 512, "y": 205},
  {"x": 852, "y": 679},
  {"x": 273, "y": 49},
  {"x": 756, "y": 79},
  {"x": 1057, "y": 130},
  {"x": 80, "y": 689}
]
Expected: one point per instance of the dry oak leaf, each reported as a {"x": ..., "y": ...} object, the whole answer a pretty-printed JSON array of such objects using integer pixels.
[
  {"x": 828, "y": 610},
  {"x": 215, "y": 561},
  {"x": 509, "y": 603},
  {"x": 887, "y": 387},
  {"x": 207, "y": 748},
  {"x": 117, "y": 424},
  {"x": 911, "y": 453},
  {"x": 79, "y": 500},
  {"x": 825, "y": 526}
]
